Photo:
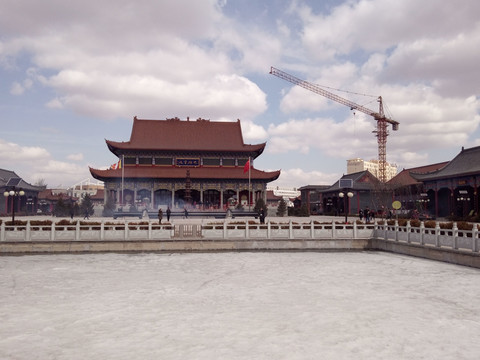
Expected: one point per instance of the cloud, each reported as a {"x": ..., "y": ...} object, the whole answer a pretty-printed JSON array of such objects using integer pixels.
[
  {"x": 35, "y": 163},
  {"x": 158, "y": 64},
  {"x": 341, "y": 140},
  {"x": 75, "y": 157},
  {"x": 290, "y": 178},
  {"x": 10, "y": 152},
  {"x": 19, "y": 89}
]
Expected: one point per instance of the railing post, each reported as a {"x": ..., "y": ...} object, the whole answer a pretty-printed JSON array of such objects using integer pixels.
[
  {"x": 422, "y": 233},
  {"x": 52, "y": 231},
  {"x": 125, "y": 230},
  {"x": 149, "y": 230},
  {"x": 455, "y": 236},
  {"x": 290, "y": 230},
  {"x": 224, "y": 229},
  {"x": 475, "y": 238},
  {"x": 269, "y": 229},
  {"x": 334, "y": 230},
  {"x": 396, "y": 230},
  {"x": 2, "y": 231},
  {"x": 77, "y": 230},
  {"x": 437, "y": 234},
  {"x": 312, "y": 229},
  {"x": 247, "y": 233},
  {"x": 28, "y": 232},
  {"x": 102, "y": 230},
  {"x": 355, "y": 232},
  {"x": 408, "y": 231}
]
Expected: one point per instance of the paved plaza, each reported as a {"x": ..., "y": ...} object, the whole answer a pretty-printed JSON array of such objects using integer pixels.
[{"x": 276, "y": 305}]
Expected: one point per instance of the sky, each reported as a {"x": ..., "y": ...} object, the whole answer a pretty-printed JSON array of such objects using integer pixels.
[{"x": 76, "y": 73}]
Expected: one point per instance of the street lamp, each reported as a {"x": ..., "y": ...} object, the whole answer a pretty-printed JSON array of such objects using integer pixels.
[
  {"x": 345, "y": 195},
  {"x": 13, "y": 193},
  {"x": 464, "y": 199}
]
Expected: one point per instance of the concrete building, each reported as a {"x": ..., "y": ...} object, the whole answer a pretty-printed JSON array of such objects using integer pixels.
[{"x": 358, "y": 165}]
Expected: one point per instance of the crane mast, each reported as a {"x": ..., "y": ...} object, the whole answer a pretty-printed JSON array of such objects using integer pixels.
[{"x": 382, "y": 121}]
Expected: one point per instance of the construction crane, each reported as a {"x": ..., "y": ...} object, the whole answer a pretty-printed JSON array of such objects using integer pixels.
[{"x": 382, "y": 121}]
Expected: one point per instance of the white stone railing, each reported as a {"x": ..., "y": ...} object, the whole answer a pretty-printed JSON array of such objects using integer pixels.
[
  {"x": 153, "y": 231},
  {"x": 85, "y": 232},
  {"x": 454, "y": 239},
  {"x": 288, "y": 230}
]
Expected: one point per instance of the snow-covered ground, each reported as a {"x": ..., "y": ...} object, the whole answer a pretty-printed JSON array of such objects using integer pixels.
[{"x": 294, "y": 305}]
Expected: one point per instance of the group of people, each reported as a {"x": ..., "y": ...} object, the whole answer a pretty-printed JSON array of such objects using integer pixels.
[
  {"x": 160, "y": 214},
  {"x": 368, "y": 214},
  {"x": 169, "y": 213}
]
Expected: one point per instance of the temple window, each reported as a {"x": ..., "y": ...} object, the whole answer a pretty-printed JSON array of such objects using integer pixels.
[
  {"x": 211, "y": 162},
  {"x": 163, "y": 161},
  {"x": 145, "y": 161},
  {"x": 130, "y": 160},
  {"x": 228, "y": 162},
  {"x": 242, "y": 162}
]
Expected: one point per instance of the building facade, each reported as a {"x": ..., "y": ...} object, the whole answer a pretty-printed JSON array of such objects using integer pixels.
[
  {"x": 22, "y": 204},
  {"x": 357, "y": 165},
  {"x": 177, "y": 163},
  {"x": 452, "y": 190}
]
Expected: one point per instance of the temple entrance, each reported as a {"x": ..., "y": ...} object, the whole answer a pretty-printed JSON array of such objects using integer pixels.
[
  {"x": 230, "y": 198},
  {"x": 162, "y": 197},
  {"x": 128, "y": 198},
  {"x": 143, "y": 200},
  {"x": 211, "y": 199},
  {"x": 180, "y": 199}
]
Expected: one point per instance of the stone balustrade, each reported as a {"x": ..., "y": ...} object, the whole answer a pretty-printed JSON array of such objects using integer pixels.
[{"x": 451, "y": 245}]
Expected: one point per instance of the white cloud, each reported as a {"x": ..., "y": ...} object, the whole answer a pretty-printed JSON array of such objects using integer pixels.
[
  {"x": 75, "y": 157},
  {"x": 291, "y": 178},
  {"x": 35, "y": 163},
  {"x": 10, "y": 152},
  {"x": 253, "y": 133},
  {"x": 340, "y": 140}
]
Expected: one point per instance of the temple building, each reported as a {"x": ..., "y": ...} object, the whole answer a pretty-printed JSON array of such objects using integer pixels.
[{"x": 182, "y": 163}]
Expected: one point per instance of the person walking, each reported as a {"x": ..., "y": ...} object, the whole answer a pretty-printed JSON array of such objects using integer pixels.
[
  {"x": 168, "y": 213},
  {"x": 186, "y": 213},
  {"x": 262, "y": 216},
  {"x": 160, "y": 216}
]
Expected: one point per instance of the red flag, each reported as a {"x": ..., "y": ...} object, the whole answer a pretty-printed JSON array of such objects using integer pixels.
[{"x": 247, "y": 166}]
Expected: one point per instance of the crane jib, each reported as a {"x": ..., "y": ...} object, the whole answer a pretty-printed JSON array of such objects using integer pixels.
[{"x": 379, "y": 116}]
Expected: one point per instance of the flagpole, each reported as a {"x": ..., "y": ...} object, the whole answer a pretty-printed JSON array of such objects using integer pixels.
[
  {"x": 123, "y": 176},
  {"x": 249, "y": 170}
]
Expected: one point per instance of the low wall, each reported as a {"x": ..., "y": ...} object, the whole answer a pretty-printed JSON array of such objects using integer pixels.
[
  {"x": 36, "y": 247},
  {"x": 448, "y": 255},
  {"x": 448, "y": 245}
]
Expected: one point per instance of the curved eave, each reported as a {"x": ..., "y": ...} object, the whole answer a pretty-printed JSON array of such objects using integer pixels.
[
  {"x": 200, "y": 173},
  {"x": 118, "y": 147},
  {"x": 439, "y": 176}
]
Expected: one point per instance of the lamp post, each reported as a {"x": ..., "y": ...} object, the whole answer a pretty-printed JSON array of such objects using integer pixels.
[
  {"x": 345, "y": 195},
  {"x": 464, "y": 199},
  {"x": 13, "y": 193}
]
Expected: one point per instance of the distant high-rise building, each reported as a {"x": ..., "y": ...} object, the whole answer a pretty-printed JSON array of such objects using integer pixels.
[{"x": 357, "y": 165}]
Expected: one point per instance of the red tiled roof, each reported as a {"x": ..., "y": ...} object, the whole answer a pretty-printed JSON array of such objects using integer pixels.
[
  {"x": 160, "y": 172},
  {"x": 404, "y": 177},
  {"x": 176, "y": 135}
]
